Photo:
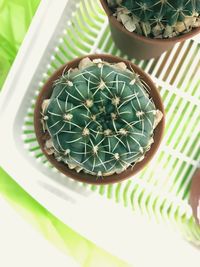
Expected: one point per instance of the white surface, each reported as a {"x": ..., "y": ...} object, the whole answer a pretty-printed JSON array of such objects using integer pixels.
[{"x": 22, "y": 246}]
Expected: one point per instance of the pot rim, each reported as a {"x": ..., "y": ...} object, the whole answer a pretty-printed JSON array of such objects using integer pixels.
[
  {"x": 142, "y": 38},
  {"x": 46, "y": 92}
]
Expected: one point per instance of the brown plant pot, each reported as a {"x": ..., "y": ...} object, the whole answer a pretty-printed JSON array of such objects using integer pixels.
[
  {"x": 195, "y": 195},
  {"x": 138, "y": 46},
  {"x": 88, "y": 178}
]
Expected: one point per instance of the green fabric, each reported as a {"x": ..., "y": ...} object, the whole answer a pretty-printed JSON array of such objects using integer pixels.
[{"x": 15, "y": 17}]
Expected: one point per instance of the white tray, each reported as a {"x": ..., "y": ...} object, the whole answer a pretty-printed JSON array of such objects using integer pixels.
[{"x": 60, "y": 31}]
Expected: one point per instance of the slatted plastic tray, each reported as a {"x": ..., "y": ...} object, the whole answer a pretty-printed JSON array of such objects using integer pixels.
[{"x": 161, "y": 190}]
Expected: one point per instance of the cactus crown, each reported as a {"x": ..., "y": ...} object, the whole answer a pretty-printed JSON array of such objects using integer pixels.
[
  {"x": 154, "y": 18},
  {"x": 100, "y": 118}
]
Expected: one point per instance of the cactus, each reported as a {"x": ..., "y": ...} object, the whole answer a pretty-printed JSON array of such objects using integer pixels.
[
  {"x": 160, "y": 19},
  {"x": 100, "y": 118}
]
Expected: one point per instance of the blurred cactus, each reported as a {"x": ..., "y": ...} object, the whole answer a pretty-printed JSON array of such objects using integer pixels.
[{"x": 160, "y": 19}]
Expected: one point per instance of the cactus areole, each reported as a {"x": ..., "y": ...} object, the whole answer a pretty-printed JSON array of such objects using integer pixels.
[{"x": 99, "y": 119}]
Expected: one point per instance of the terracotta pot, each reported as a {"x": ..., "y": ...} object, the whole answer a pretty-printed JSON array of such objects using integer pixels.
[
  {"x": 83, "y": 177},
  {"x": 195, "y": 195},
  {"x": 138, "y": 46}
]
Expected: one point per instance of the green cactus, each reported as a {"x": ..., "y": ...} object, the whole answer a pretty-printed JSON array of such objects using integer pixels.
[
  {"x": 164, "y": 18},
  {"x": 100, "y": 118}
]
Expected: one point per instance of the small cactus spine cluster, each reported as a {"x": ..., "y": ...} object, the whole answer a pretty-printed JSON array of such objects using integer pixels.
[
  {"x": 158, "y": 19},
  {"x": 100, "y": 118}
]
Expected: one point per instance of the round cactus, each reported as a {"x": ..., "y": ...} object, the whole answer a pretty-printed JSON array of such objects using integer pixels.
[
  {"x": 161, "y": 19},
  {"x": 100, "y": 118}
]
